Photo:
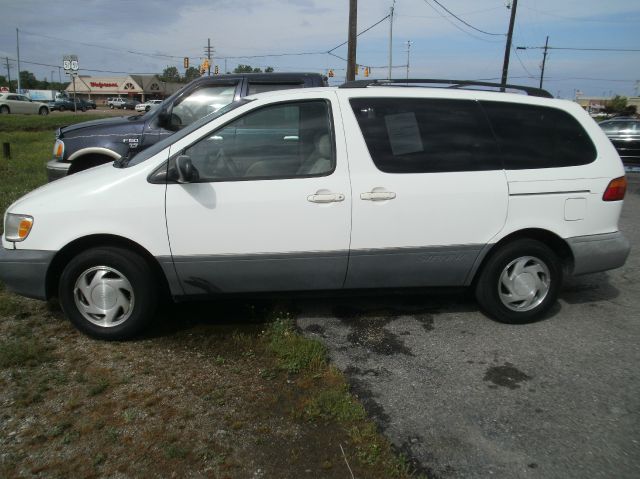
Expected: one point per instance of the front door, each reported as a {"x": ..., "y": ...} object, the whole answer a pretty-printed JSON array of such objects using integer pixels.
[
  {"x": 428, "y": 190},
  {"x": 272, "y": 207}
]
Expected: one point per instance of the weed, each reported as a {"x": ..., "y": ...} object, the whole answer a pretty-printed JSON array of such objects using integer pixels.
[
  {"x": 334, "y": 404},
  {"x": 174, "y": 451},
  {"x": 99, "y": 387},
  {"x": 294, "y": 352},
  {"x": 23, "y": 352}
]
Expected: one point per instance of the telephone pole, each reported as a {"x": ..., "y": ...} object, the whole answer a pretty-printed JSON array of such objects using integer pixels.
[
  {"x": 353, "y": 35},
  {"x": 18, "y": 48},
  {"x": 544, "y": 59},
  {"x": 507, "y": 50},
  {"x": 8, "y": 72},
  {"x": 391, "y": 39},
  {"x": 208, "y": 51},
  {"x": 408, "y": 49}
]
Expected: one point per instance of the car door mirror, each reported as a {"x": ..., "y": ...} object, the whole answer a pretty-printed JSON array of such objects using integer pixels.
[{"x": 185, "y": 171}]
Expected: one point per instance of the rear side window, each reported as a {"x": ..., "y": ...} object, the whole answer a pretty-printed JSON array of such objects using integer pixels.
[
  {"x": 413, "y": 135},
  {"x": 533, "y": 136}
]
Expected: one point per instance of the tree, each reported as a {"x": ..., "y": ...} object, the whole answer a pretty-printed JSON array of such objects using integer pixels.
[
  {"x": 250, "y": 69},
  {"x": 617, "y": 104},
  {"x": 191, "y": 73},
  {"x": 170, "y": 75},
  {"x": 28, "y": 80}
]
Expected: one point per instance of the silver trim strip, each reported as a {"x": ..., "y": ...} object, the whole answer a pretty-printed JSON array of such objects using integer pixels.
[
  {"x": 94, "y": 150},
  {"x": 551, "y": 193}
]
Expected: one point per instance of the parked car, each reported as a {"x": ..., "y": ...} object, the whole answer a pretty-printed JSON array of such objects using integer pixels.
[
  {"x": 330, "y": 188},
  {"x": 91, "y": 104},
  {"x": 128, "y": 104},
  {"x": 148, "y": 105},
  {"x": 85, "y": 145},
  {"x": 115, "y": 102},
  {"x": 69, "y": 104},
  {"x": 14, "y": 103},
  {"x": 624, "y": 133}
]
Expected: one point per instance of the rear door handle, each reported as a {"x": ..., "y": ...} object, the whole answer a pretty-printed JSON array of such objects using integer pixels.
[
  {"x": 377, "y": 195},
  {"x": 326, "y": 198}
]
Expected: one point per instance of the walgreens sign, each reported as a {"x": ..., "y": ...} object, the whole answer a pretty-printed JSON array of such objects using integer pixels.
[{"x": 99, "y": 84}]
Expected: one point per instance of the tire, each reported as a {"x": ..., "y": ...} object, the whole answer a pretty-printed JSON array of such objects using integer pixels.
[
  {"x": 83, "y": 109},
  {"x": 113, "y": 277},
  {"x": 147, "y": 108},
  {"x": 4, "y": 110},
  {"x": 520, "y": 297},
  {"x": 111, "y": 106},
  {"x": 43, "y": 111},
  {"x": 62, "y": 109}
]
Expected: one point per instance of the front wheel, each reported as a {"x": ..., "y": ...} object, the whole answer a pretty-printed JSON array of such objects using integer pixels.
[
  {"x": 43, "y": 111},
  {"x": 108, "y": 293},
  {"x": 62, "y": 108},
  {"x": 4, "y": 110},
  {"x": 519, "y": 282}
]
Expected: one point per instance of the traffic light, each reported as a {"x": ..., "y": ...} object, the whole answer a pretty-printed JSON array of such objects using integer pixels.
[
  {"x": 330, "y": 74},
  {"x": 215, "y": 70},
  {"x": 186, "y": 62},
  {"x": 366, "y": 71}
]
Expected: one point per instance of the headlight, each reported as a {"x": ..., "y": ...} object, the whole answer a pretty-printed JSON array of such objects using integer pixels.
[
  {"x": 58, "y": 150},
  {"x": 17, "y": 227}
]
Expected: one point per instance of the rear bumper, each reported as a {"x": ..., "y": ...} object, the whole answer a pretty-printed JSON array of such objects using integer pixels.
[
  {"x": 596, "y": 253},
  {"x": 25, "y": 271},
  {"x": 57, "y": 169}
]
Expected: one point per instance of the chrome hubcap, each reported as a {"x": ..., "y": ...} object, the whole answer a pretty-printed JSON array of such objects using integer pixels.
[
  {"x": 104, "y": 296},
  {"x": 524, "y": 283}
]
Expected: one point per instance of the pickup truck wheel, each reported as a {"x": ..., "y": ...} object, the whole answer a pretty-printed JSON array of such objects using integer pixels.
[
  {"x": 43, "y": 111},
  {"x": 519, "y": 282},
  {"x": 4, "y": 110},
  {"x": 62, "y": 108},
  {"x": 108, "y": 293}
]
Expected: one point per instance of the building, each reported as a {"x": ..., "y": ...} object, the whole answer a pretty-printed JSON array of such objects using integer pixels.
[
  {"x": 597, "y": 104},
  {"x": 138, "y": 87}
]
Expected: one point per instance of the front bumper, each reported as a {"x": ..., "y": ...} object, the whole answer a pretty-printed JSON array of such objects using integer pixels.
[
  {"x": 57, "y": 169},
  {"x": 25, "y": 271},
  {"x": 596, "y": 253}
]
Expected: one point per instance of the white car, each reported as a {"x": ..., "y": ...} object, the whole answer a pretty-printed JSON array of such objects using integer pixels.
[
  {"x": 14, "y": 103},
  {"x": 148, "y": 105},
  {"x": 365, "y": 186},
  {"x": 115, "y": 102}
]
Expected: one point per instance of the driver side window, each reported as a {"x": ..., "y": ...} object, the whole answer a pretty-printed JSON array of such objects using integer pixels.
[
  {"x": 200, "y": 103},
  {"x": 284, "y": 140}
]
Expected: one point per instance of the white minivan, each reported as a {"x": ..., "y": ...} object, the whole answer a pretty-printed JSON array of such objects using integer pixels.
[{"x": 363, "y": 186}]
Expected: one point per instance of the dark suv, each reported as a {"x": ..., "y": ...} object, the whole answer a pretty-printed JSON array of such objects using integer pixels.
[{"x": 88, "y": 144}]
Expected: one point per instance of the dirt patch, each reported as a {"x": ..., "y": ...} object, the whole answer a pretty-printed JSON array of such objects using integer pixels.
[
  {"x": 215, "y": 390},
  {"x": 505, "y": 376}
]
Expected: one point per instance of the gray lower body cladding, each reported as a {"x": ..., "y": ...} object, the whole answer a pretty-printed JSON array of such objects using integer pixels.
[
  {"x": 308, "y": 271},
  {"x": 595, "y": 253},
  {"x": 25, "y": 271}
]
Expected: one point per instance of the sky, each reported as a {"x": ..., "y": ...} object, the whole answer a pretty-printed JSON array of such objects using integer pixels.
[{"x": 146, "y": 37}]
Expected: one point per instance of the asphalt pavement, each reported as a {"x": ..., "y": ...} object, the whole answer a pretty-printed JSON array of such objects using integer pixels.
[{"x": 466, "y": 397}]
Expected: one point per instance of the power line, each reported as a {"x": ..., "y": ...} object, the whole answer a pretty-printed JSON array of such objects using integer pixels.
[
  {"x": 455, "y": 25},
  {"x": 463, "y": 21},
  {"x": 584, "y": 49},
  {"x": 363, "y": 31}
]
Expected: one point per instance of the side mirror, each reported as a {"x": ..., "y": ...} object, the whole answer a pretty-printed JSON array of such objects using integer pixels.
[
  {"x": 185, "y": 170},
  {"x": 164, "y": 116}
]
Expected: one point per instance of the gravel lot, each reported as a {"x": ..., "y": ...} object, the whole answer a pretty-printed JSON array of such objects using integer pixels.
[{"x": 464, "y": 396}]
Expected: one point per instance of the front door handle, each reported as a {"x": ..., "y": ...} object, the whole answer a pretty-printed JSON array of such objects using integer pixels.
[
  {"x": 377, "y": 195},
  {"x": 326, "y": 198}
]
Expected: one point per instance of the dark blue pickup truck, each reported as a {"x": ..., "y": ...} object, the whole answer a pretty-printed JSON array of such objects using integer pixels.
[{"x": 92, "y": 143}]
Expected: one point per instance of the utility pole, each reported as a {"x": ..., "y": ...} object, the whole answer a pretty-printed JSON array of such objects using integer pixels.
[
  {"x": 8, "y": 72},
  {"x": 353, "y": 35},
  {"x": 391, "y": 39},
  {"x": 59, "y": 75},
  {"x": 507, "y": 50},
  {"x": 207, "y": 50},
  {"x": 18, "y": 48},
  {"x": 408, "y": 49},
  {"x": 544, "y": 59}
]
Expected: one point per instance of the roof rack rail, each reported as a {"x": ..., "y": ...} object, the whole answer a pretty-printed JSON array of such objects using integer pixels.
[{"x": 531, "y": 91}]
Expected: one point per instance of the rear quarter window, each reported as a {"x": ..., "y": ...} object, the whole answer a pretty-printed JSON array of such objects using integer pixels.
[
  {"x": 414, "y": 135},
  {"x": 532, "y": 136}
]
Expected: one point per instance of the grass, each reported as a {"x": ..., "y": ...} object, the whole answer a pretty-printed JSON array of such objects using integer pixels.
[
  {"x": 31, "y": 138},
  {"x": 220, "y": 391}
]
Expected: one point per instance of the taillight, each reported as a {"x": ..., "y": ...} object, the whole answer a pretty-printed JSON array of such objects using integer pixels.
[{"x": 615, "y": 190}]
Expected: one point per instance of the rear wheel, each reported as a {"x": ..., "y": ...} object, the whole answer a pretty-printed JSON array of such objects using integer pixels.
[
  {"x": 43, "y": 111},
  {"x": 4, "y": 110},
  {"x": 108, "y": 293},
  {"x": 519, "y": 282},
  {"x": 62, "y": 108}
]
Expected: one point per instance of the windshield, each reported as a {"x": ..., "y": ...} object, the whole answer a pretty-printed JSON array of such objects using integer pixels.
[{"x": 168, "y": 141}]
